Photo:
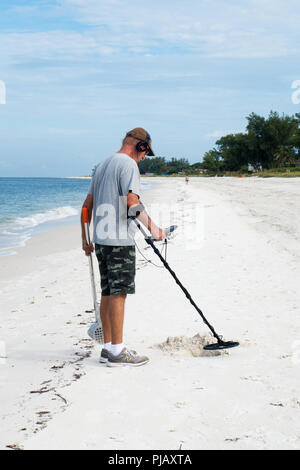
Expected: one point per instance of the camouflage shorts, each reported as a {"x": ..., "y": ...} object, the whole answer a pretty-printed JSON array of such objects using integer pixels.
[{"x": 117, "y": 269}]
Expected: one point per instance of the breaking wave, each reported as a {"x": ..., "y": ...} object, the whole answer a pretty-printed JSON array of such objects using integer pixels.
[{"x": 47, "y": 216}]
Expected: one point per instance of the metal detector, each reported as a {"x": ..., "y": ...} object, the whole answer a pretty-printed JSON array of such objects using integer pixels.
[{"x": 209, "y": 347}]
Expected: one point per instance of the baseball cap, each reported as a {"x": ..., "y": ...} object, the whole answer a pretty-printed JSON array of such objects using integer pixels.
[{"x": 140, "y": 134}]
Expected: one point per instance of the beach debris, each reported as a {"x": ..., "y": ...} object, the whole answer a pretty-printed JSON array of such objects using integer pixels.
[
  {"x": 285, "y": 356},
  {"x": 44, "y": 416},
  {"x": 189, "y": 346},
  {"x": 277, "y": 404},
  {"x": 87, "y": 344},
  {"x": 180, "y": 404},
  {"x": 58, "y": 366},
  {"x": 81, "y": 355},
  {"x": 43, "y": 390},
  {"x": 77, "y": 376},
  {"x": 62, "y": 398},
  {"x": 252, "y": 379},
  {"x": 14, "y": 447}
]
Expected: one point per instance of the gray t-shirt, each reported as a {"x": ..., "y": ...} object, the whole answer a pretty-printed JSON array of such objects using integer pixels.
[{"x": 111, "y": 182}]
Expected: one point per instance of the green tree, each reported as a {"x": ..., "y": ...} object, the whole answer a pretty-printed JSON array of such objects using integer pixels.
[
  {"x": 296, "y": 137},
  {"x": 177, "y": 165},
  {"x": 267, "y": 136},
  {"x": 212, "y": 161},
  {"x": 256, "y": 129},
  {"x": 285, "y": 156},
  {"x": 196, "y": 166},
  {"x": 234, "y": 150},
  {"x": 155, "y": 165}
]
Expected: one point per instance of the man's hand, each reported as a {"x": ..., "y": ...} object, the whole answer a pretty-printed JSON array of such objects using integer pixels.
[
  {"x": 87, "y": 248},
  {"x": 158, "y": 233}
]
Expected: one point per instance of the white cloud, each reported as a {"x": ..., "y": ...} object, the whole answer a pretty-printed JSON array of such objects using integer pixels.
[
  {"x": 25, "y": 46},
  {"x": 210, "y": 27},
  {"x": 253, "y": 29}
]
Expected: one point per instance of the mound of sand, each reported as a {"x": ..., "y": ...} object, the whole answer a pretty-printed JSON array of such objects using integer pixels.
[{"x": 189, "y": 346}]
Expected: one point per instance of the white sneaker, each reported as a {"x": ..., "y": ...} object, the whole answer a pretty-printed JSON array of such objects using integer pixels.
[
  {"x": 104, "y": 356},
  {"x": 126, "y": 358}
]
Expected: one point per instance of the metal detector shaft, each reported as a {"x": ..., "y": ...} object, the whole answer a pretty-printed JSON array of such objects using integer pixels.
[{"x": 150, "y": 242}]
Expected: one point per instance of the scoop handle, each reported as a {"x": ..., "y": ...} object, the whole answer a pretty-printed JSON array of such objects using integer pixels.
[
  {"x": 85, "y": 218},
  {"x": 85, "y": 215}
]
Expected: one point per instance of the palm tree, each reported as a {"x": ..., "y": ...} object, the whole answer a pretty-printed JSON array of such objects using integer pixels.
[{"x": 285, "y": 156}]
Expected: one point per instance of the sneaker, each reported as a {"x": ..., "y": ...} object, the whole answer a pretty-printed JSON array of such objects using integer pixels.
[
  {"x": 126, "y": 358},
  {"x": 103, "y": 356}
]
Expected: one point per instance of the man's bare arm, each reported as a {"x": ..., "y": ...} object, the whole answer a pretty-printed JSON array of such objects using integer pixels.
[
  {"x": 157, "y": 233},
  {"x": 88, "y": 203}
]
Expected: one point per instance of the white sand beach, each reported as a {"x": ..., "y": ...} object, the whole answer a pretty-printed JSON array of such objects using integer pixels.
[{"x": 243, "y": 271}]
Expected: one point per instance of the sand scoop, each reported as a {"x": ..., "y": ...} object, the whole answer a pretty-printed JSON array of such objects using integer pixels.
[
  {"x": 95, "y": 331},
  {"x": 220, "y": 344}
]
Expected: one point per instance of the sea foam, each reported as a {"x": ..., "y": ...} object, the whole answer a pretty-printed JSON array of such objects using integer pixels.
[{"x": 47, "y": 216}]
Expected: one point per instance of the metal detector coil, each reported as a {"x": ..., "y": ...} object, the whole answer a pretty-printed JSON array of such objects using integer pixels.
[{"x": 221, "y": 345}]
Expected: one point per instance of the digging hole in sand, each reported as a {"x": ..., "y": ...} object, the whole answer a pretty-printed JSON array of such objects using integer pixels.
[{"x": 189, "y": 346}]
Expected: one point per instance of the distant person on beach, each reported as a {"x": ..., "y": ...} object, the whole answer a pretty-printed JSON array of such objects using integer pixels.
[
  {"x": 187, "y": 179},
  {"x": 113, "y": 195}
]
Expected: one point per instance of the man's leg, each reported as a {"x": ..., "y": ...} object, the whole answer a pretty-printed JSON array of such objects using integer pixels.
[
  {"x": 119, "y": 355},
  {"x": 116, "y": 309},
  {"x": 101, "y": 253},
  {"x": 112, "y": 317},
  {"x": 105, "y": 317}
]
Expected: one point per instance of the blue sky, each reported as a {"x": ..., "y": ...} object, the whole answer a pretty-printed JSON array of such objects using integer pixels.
[{"x": 80, "y": 73}]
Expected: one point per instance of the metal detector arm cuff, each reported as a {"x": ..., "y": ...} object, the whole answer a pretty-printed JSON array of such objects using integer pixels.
[{"x": 135, "y": 211}]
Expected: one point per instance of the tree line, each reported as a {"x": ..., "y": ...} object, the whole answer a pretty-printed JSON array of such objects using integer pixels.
[
  {"x": 160, "y": 166},
  {"x": 272, "y": 142}
]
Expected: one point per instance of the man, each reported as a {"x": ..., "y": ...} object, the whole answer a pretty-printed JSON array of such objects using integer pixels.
[{"x": 114, "y": 190}]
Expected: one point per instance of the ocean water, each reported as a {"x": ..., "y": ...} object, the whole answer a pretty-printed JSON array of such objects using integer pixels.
[{"x": 32, "y": 205}]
